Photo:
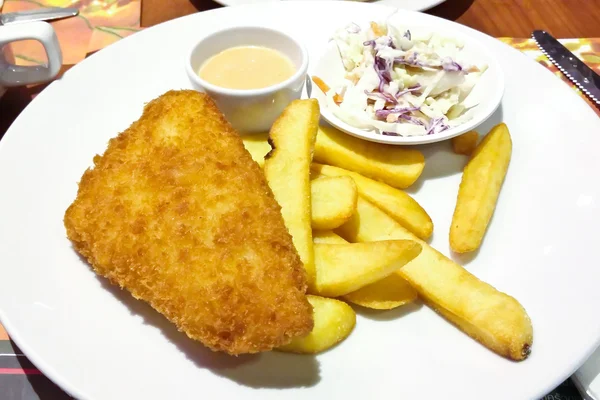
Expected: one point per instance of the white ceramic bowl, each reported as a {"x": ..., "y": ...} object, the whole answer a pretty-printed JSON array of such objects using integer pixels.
[
  {"x": 250, "y": 110},
  {"x": 487, "y": 93}
]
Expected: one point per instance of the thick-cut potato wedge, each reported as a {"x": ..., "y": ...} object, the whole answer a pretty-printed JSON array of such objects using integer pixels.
[
  {"x": 465, "y": 143},
  {"x": 258, "y": 146},
  {"x": 344, "y": 268},
  {"x": 327, "y": 237},
  {"x": 388, "y": 293},
  {"x": 334, "y": 321},
  {"x": 385, "y": 294},
  {"x": 333, "y": 201},
  {"x": 287, "y": 169},
  {"x": 397, "y": 166},
  {"x": 395, "y": 202},
  {"x": 479, "y": 190},
  {"x": 491, "y": 317}
]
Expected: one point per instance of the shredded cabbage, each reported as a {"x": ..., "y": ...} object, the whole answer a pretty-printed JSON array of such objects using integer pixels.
[{"x": 401, "y": 83}]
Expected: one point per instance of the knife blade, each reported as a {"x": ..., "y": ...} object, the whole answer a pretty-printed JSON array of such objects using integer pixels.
[
  {"x": 40, "y": 14},
  {"x": 580, "y": 74}
]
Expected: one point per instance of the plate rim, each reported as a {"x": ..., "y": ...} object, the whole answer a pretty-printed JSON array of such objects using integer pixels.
[{"x": 435, "y": 3}]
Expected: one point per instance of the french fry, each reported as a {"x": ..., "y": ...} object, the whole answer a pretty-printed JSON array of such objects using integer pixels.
[
  {"x": 334, "y": 321},
  {"x": 333, "y": 201},
  {"x": 258, "y": 146},
  {"x": 344, "y": 268},
  {"x": 385, "y": 294},
  {"x": 465, "y": 143},
  {"x": 394, "y": 165},
  {"x": 479, "y": 190},
  {"x": 491, "y": 317},
  {"x": 395, "y": 202},
  {"x": 287, "y": 170},
  {"x": 327, "y": 237}
]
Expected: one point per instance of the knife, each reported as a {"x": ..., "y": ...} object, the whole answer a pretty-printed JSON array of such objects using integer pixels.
[
  {"x": 580, "y": 74},
  {"x": 40, "y": 14}
]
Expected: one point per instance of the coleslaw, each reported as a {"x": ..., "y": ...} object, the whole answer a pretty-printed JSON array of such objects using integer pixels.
[{"x": 401, "y": 83}]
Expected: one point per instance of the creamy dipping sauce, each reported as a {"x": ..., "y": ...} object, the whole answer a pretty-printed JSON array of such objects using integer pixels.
[{"x": 247, "y": 67}]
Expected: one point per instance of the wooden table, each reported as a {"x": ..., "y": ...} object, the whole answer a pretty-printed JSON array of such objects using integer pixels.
[{"x": 499, "y": 18}]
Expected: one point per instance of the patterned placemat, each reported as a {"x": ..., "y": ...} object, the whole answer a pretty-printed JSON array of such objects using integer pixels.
[
  {"x": 587, "y": 49},
  {"x": 99, "y": 24},
  {"x": 103, "y": 22}
]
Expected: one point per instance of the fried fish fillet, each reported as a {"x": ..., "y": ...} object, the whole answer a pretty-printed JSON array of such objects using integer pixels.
[{"x": 178, "y": 213}]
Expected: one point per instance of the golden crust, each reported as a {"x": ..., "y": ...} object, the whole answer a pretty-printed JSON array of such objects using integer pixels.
[{"x": 178, "y": 213}]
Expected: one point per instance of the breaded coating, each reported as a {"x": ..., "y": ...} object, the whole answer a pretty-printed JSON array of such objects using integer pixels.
[{"x": 178, "y": 213}]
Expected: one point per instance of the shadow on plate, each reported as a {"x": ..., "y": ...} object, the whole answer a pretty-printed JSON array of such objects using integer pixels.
[
  {"x": 464, "y": 258},
  {"x": 387, "y": 315},
  {"x": 264, "y": 370},
  {"x": 441, "y": 161}
]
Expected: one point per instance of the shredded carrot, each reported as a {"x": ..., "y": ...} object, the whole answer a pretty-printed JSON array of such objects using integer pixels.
[
  {"x": 322, "y": 85},
  {"x": 377, "y": 30},
  {"x": 325, "y": 88}
]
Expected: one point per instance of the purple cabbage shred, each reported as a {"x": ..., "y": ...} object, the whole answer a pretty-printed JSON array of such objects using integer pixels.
[
  {"x": 390, "y": 42},
  {"x": 411, "y": 60},
  {"x": 407, "y": 34},
  {"x": 382, "y": 68},
  {"x": 436, "y": 125},
  {"x": 389, "y": 134},
  {"x": 449, "y": 64},
  {"x": 382, "y": 96},
  {"x": 373, "y": 43},
  {"x": 412, "y": 120},
  {"x": 414, "y": 88},
  {"x": 399, "y": 110}
]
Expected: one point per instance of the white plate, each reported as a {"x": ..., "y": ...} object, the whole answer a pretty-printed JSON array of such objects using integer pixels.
[
  {"x": 486, "y": 95},
  {"x": 411, "y": 5},
  {"x": 96, "y": 342}
]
